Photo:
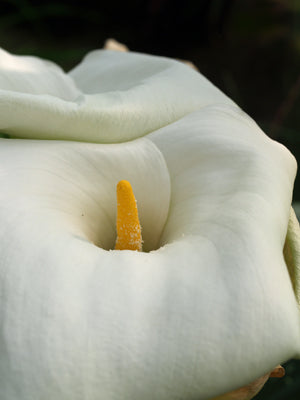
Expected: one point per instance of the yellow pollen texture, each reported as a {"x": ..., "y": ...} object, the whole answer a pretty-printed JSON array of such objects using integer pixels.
[{"x": 129, "y": 236}]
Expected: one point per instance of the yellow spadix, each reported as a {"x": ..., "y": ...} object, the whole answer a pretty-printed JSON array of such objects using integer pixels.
[{"x": 129, "y": 236}]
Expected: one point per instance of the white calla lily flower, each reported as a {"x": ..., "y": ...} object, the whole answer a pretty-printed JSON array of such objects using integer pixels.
[{"x": 210, "y": 305}]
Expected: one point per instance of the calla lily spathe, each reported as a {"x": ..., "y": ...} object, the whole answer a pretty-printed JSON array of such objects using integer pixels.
[{"x": 210, "y": 306}]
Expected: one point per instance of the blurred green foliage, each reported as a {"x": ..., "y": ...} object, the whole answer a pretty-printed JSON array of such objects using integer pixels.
[{"x": 249, "y": 48}]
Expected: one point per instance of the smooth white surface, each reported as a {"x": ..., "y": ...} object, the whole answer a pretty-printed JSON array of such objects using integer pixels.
[
  {"x": 34, "y": 77},
  {"x": 121, "y": 96}
]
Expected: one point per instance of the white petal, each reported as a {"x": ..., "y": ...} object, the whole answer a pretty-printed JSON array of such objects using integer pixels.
[
  {"x": 125, "y": 96},
  {"x": 107, "y": 71},
  {"x": 34, "y": 76},
  {"x": 231, "y": 196}
]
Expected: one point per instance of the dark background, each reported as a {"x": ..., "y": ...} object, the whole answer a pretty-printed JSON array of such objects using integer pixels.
[{"x": 249, "y": 48}]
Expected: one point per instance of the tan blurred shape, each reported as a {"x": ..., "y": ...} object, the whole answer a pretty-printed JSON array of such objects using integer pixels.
[{"x": 112, "y": 44}]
